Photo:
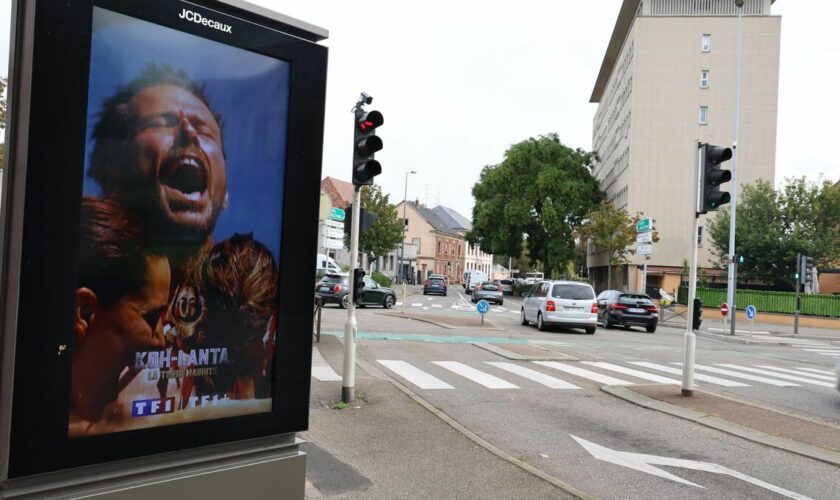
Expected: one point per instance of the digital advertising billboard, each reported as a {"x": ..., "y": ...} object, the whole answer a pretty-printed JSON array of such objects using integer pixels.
[{"x": 171, "y": 153}]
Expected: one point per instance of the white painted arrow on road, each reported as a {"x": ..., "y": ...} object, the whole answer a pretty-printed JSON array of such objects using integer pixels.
[{"x": 645, "y": 463}]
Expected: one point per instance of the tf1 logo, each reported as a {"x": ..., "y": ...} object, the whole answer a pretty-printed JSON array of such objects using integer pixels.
[{"x": 147, "y": 407}]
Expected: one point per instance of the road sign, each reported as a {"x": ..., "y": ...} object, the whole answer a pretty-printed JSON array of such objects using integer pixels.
[
  {"x": 482, "y": 307},
  {"x": 646, "y": 237},
  {"x": 644, "y": 225},
  {"x": 751, "y": 311},
  {"x": 724, "y": 309},
  {"x": 644, "y": 249},
  {"x": 337, "y": 214}
]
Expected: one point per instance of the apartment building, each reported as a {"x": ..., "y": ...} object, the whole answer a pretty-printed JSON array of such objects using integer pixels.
[{"x": 667, "y": 82}]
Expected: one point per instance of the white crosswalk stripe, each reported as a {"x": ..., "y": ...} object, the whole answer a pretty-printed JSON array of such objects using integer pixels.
[
  {"x": 539, "y": 377},
  {"x": 745, "y": 376},
  {"x": 634, "y": 373},
  {"x": 477, "y": 376},
  {"x": 817, "y": 370},
  {"x": 580, "y": 372},
  {"x": 827, "y": 349},
  {"x": 677, "y": 371},
  {"x": 321, "y": 370},
  {"x": 414, "y": 375},
  {"x": 797, "y": 372},
  {"x": 777, "y": 375}
]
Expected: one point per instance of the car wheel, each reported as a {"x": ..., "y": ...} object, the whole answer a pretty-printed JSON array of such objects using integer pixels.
[
  {"x": 424, "y": 292},
  {"x": 540, "y": 323},
  {"x": 344, "y": 302},
  {"x": 590, "y": 330},
  {"x": 522, "y": 317},
  {"x": 389, "y": 302},
  {"x": 650, "y": 328}
]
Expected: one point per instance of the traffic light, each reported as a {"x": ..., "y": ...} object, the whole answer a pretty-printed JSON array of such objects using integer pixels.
[
  {"x": 365, "y": 144},
  {"x": 698, "y": 311},
  {"x": 806, "y": 271},
  {"x": 712, "y": 176},
  {"x": 367, "y": 219},
  {"x": 358, "y": 284}
]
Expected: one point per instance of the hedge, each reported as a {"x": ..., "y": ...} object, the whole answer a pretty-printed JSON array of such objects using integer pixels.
[
  {"x": 771, "y": 302},
  {"x": 381, "y": 279}
]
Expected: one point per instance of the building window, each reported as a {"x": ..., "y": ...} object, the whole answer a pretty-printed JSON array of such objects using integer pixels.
[
  {"x": 405, "y": 223},
  {"x": 704, "y": 79},
  {"x": 438, "y": 247},
  {"x": 706, "y": 43},
  {"x": 704, "y": 115},
  {"x": 699, "y": 236}
]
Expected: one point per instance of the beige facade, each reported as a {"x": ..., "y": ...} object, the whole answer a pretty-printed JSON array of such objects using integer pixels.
[
  {"x": 666, "y": 60},
  {"x": 476, "y": 259}
]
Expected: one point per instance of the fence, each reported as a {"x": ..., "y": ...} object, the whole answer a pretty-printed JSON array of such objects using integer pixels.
[{"x": 772, "y": 302}]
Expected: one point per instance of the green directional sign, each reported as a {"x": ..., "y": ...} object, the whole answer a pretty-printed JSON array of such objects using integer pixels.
[
  {"x": 644, "y": 225},
  {"x": 337, "y": 214}
]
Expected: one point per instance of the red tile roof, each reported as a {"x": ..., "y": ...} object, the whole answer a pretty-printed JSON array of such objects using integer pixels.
[{"x": 340, "y": 192}]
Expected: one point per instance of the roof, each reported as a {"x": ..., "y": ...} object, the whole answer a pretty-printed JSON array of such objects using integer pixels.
[
  {"x": 340, "y": 192},
  {"x": 622, "y": 25},
  {"x": 437, "y": 222},
  {"x": 453, "y": 218}
]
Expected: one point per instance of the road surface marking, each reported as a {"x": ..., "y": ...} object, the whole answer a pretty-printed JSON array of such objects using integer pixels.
[
  {"x": 817, "y": 370},
  {"x": 580, "y": 372},
  {"x": 827, "y": 349},
  {"x": 829, "y": 354},
  {"x": 414, "y": 375},
  {"x": 678, "y": 371},
  {"x": 501, "y": 309},
  {"x": 436, "y": 305},
  {"x": 477, "y": 376},
  {"x": 416, "y": 305},
  {"x": 755, "y": 378},
  {"x": 797, "y": 372},
  {"x": 321, "y": 370},
  {"x": 777, "y": 375},
  {"x": 635, "y": 373},
  {"x": 645, "y": 463},
  {"x": 398, "y": 304},
  {"x": 541, "y": 378}
]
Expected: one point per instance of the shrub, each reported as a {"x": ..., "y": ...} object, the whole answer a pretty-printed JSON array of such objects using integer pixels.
[
  {"x": 521, "y": 288},
  {"x": 381, "y": 279}
]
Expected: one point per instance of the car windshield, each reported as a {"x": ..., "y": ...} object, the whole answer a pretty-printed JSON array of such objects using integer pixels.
[
  {"x": 507, "y": 282},
  {"x": 334, "y": 279},
  {"x": 435, "y": 281},
  {"x": 635, "y": 299},
  {"x": 573, "y": 292},
  {"x": 489, "y": 286}
]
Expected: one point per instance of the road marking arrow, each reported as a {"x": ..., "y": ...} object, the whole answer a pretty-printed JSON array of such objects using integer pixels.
[{"x": 645, "y": 463}]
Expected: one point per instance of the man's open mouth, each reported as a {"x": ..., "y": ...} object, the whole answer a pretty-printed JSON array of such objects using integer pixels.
[{"x": 186, "y": 174}]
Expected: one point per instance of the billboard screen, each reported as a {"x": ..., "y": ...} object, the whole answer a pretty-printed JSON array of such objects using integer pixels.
[
  {"x": 180, "y": 228},
  {"x": 163, "y": 180}
]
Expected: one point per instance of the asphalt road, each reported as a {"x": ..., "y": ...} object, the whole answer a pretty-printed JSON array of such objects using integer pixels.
[{"x": 546, "y": 412}]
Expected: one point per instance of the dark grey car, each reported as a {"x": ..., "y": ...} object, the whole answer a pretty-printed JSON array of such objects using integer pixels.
[
  {"x": 627, "y": 309},
  {"x": 489, "y": 291}
]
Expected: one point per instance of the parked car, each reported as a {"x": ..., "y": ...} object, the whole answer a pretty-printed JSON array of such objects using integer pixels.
[
  {"x": 472, "y": 278},
  {"x": 561, "y": 303},
  {"x": 334, "y": 289},
  {"x": 434, "y": 285},
  {"x": 627, "y": 309},
  {"x": 488, "y": 291},
  {"x": 507, "y": 286}
]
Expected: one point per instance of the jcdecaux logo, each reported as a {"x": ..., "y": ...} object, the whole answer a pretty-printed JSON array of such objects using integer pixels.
[{"x": 199, "y": 19}]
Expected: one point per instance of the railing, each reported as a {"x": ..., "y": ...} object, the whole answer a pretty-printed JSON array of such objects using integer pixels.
[{"x": 771, "y": 302}]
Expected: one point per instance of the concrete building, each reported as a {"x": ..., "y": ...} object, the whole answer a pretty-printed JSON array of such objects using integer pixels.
[{"x": 667, "y": 81}]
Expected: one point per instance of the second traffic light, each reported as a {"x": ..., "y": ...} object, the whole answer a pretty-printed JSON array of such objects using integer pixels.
[
  {"x": 806, "y": 270},
  {"x": 358, "y": 284},
  {"x": 365, "y": 144},
  {"x": 712, "y": 175}
]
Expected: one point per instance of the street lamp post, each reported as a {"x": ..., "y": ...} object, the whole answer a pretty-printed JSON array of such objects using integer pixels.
[
  {"x": 405, "y": 202},
  {"x": 732, "y": 277}
]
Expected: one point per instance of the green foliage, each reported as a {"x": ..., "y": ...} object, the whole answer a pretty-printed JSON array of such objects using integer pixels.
[
  {"x": 773, "y": 226},
  {"x": 612, "y": 231},
  {"x": 769, "y": 301},
  {"x": 521, "y": 288},
  {"x": 387, "y": 232},
  {"x": 534, "y": 200},
  {"x": 381, "y": 279}
]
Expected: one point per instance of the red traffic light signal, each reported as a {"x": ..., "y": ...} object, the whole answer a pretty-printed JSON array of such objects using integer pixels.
[{"x": 365, "y": 144}]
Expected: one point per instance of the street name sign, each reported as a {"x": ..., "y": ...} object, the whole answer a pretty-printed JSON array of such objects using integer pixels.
[
  {"x": 646, "y": 237},
  {"x": 644, "y": 249},
  {"x": 337, "y": 214},
  {"x": 644, "y": 225}
]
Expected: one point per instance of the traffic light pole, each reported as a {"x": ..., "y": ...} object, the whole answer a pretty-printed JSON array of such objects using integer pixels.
[
  {"x": 799, "y": 271},
  {"x": 348, "y": 377},
  {"x": 690, "y": 337}
]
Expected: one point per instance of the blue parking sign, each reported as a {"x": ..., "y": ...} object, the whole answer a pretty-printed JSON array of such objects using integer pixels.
[
  {"x": 750, "y": 311},
  {"x": 482, "y": 307}
]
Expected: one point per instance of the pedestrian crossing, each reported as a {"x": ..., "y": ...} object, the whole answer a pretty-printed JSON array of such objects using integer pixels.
[
  {"x": 811, "y": 346},
  {"x": 504, "y": 375}
]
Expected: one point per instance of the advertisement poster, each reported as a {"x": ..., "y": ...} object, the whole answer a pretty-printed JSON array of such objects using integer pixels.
[{"x": 175, "y": 315}]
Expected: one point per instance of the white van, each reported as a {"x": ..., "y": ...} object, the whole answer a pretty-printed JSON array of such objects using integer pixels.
[
  {"x": 327, "y": 265},
  {"x": 472, "y": 278}
]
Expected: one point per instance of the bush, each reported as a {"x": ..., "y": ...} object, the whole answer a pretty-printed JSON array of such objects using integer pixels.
[
  {"x": 381, "y": 279},
  {"x": 521, "y": 288}
]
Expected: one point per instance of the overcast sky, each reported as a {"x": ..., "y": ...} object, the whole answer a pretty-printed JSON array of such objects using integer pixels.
[{"x": 459, "y": 82}]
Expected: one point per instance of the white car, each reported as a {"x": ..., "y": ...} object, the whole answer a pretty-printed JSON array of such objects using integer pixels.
[{"x": 561, "y": 303}]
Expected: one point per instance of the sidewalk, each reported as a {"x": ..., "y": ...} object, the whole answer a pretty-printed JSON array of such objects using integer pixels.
[
  {"x": 400, "y": 447},
  {"x": 803, "y": 436}
]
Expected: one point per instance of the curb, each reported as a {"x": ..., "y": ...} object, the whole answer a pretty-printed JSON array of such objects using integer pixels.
[
  {"x": 375, "y": 372},
  {"x": 714, "y": 422},
  {"x": 488, "y": 325}
]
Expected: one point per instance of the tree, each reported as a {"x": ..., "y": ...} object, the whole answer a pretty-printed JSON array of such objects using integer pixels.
[
  {"x": 535, "y": 199},
  {"x": 387, "y": 232},
  {"x": 612, "y": 231},
  {"x": 773, "y": 226}
]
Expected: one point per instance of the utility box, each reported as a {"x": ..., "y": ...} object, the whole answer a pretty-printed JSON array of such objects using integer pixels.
[{"x": 161, "y": 189}]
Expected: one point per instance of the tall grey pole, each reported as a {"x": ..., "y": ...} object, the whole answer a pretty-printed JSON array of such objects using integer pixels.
[
  {"x": 690, "y": 337},
  {"x": 348, "y": 378},
  {"x": 799, "y": 269},
  {"x": 402, "y": 250},
  {"x": 732, "y": 277}
]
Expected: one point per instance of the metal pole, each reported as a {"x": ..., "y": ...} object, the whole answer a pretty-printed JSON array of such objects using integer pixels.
[
  {"x": 732, "y": 277},
  {"x": 732, "y": 311},
  {"x": 644, "y": 275},
  {"x": 348, "y": 378},
  {"x": 798, "y": 283},
  {"x": 405, "y": 202},
  {"x": 690, "y": 337}
]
